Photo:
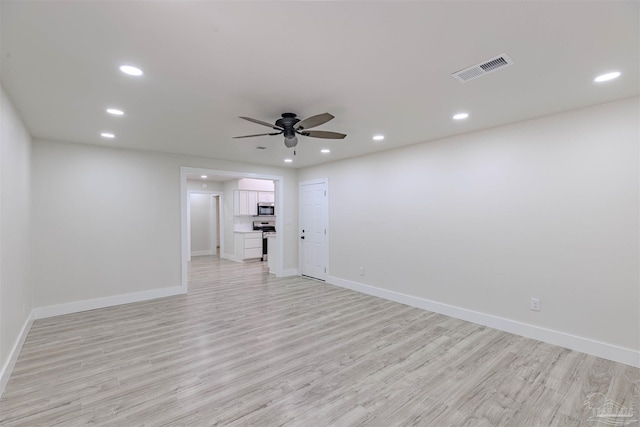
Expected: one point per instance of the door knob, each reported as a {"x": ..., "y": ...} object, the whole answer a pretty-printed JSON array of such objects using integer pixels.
[{"x": 302, "y": 237}]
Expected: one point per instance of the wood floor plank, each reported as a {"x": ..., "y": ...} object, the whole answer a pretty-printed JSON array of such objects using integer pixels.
[{"x": 246, "y": 348}]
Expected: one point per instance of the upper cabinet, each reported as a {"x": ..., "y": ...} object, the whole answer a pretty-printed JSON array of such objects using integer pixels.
[
  {"x": 245, "y": 202},
  {"x": 266, "y": 197}
]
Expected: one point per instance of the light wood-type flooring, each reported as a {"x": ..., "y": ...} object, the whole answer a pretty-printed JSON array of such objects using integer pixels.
[{"x": 247, "y": 348}]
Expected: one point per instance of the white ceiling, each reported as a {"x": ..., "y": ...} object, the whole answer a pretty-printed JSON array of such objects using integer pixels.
[{"x": 379, "y": 67}]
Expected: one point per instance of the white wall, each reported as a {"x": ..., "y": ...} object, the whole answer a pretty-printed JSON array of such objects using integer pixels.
[
  {"x": 107, "y": 221},
  {"x": 16, "y": 294},
  {"x": 546, "y": 208},
  {"x": 194, "y": 185}
]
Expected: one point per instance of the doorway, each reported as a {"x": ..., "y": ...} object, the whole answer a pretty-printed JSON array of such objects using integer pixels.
[
  {"x": 314, "y": 214},
  {"x": 204, "y": 224},
  {"x": 226, "y": 214}
]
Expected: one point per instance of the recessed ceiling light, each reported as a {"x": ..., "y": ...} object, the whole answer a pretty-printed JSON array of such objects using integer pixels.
[
  {"x": 378, "y": 137},
  {"x": 131, "y": 70},
  {"x": 107, "y": 135},
  {"x": 460, "y": 116},
  {"x": 325, "y": 150},
  {"x": 203, "y": 176},
  {"x": 288, "y": 160},
  {"x": 607, "y": 77},
  {"x": 115, "y": 111}
]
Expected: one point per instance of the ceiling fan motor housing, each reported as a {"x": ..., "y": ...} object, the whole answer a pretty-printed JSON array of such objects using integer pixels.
[{"x": 287, "y": 122}]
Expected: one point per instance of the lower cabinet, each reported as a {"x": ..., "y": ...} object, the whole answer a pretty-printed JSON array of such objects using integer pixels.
[{"x": 248, "y": 245}]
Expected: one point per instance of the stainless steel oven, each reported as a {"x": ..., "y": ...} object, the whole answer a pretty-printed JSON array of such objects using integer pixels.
[{"x": 268, "y": 229}]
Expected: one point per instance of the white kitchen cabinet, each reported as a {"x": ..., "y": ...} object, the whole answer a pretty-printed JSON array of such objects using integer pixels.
[
  {"x": 266, "y": 197},
  {"x": 248, "y": 245},
  {"x": 245, "y": 202},
  {"x": 252, "y": 202}
]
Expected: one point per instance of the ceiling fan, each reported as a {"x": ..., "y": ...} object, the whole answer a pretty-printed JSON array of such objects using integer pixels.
[{"x": 290, "y": 126}]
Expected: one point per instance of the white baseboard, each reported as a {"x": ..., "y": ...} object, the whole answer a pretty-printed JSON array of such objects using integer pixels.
[
  {"x": 7, "y": 368},
  {"x": 584, "y": 345},
  {"x": 230, "y": 257},
  {"x": 202, "y": 253},
  {"x": 78, "y": 306},
  {"x": 289, "y": 272},
  {"x": 75, "y": 307}
]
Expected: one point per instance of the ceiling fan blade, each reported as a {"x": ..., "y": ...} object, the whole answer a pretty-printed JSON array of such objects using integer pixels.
[
  {"x": 313, "y": 121},
  {"x": 258, "y": 134},
  {"x": 260, "y": 122},
  {"x": 323, "y": 134}
]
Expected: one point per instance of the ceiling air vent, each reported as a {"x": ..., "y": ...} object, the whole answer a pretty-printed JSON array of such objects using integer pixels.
[{"x": 482, "y": 68}]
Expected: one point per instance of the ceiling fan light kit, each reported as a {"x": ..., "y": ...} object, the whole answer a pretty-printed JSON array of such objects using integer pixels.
[
  {"x": 291, "y": 142},
  {"x": 289, "y": 125}
]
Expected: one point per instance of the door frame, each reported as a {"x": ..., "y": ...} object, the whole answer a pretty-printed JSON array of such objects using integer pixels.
[
  {"x": 278, "y": 182},
  {"x": 300, "y": 221}
]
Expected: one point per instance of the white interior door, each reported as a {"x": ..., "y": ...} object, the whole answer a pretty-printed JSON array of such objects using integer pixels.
[{"x": 313, "y": 228}]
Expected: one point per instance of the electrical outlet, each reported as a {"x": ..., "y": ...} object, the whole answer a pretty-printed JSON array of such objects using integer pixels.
[
  {"x": 535, "y": 304},
  {"x": 362, "y": 271},
  {"x": 24, "y": 308}
]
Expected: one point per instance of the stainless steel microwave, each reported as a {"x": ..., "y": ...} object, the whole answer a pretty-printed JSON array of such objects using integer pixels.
[{"x": 266, "y": 209}]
